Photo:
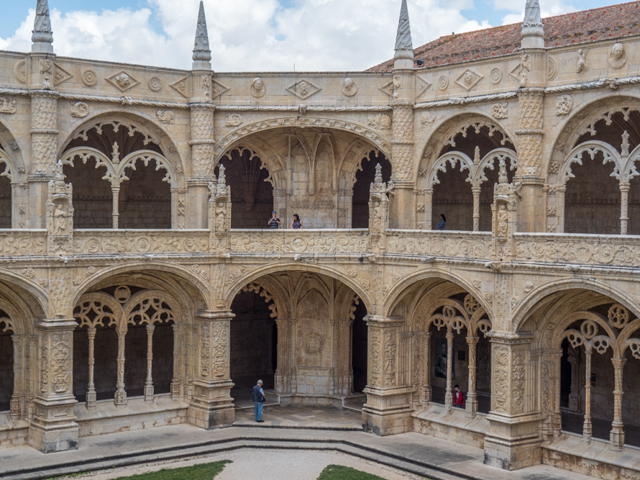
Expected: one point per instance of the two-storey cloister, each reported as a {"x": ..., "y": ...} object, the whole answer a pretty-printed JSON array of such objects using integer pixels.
[{"x": 140, "y": 285}]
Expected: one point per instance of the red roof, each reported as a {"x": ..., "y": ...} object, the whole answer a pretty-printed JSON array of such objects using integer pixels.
[{"x": 587, "y": 26}]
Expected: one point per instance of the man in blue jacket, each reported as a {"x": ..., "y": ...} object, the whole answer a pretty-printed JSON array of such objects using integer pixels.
[{"x": 258, "y": 400}]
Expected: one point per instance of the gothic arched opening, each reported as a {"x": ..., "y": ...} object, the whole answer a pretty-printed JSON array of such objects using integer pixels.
[
  {"x": 130, "y": 166},
  {"x": 453, "y": 198},
  {"x": 364, "y": 178},
  {"x": 253, "y": 342},
  {"x": 592, "y": 199},
  {"x": 6, "y": 362},
  {"x": 251, "y": 190}
]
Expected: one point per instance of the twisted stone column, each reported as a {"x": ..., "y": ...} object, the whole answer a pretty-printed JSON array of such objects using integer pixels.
[
  {"x": 587, "y": 431},
  {"x": 624, "y": 207},
  {"x": 148, "y": 385},
  {"x": 617, "y": 426},
  {"x": 91, "y": 388},
  {"x": 472, "y": 396},
  {"x": 202, "y": 157},
  {"x": 476, "y": 208},
  {"x": 448, "y": 396}
]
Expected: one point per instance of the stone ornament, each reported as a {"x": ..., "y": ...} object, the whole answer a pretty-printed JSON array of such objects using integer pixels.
[
  {"x": 496, "y": 76},
  {"x": 217, "y": 88},
  {"x": 581, "y": 64},
  {"x": 349, "y": 87},
  {"x": 20, "y": 71},
  {"x": 564, "y": 105},
  {"x": 233, "y": 120},
  {"x": 500, "y": 111},
  {"x": 79, "y": 110},
  {"x": 443, "y": 82},
  {"x": 427, "y": 119},
  {"x": 258, "y": 88},
  {"x": 387, "y": 88},
  {"x": 8, "y": 105},
  {"x": 90, "y": 77},
  {"x": 46, "y": 70},
  {"x": 61, "y": 75},
  {"x": 379, "y": 122},
  {"x": 123, "y": 81},
  {"x": 155, "y": 84},
  {"x": 167, "y": 117},
  {"x": 552, "y": 68},
  {"x": 617, "y": 56},
  {"x": 303, "y": 89},
  {"x": 468, "y": 79},
  {"x": 423, "y": 86},
  {"x": 181, "y": 86}
]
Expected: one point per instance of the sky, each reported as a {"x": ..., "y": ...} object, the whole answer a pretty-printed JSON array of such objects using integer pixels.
[{"x": 257, "y": 35}]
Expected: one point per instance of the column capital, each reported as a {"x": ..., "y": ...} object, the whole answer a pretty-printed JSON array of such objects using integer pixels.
[
  {"x": 509, "y": 337},
  {"x": 382, "y": 321},
  {"x": 56, "y": 324}
]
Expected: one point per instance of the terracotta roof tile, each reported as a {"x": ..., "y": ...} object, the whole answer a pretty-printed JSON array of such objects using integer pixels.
[{"x": 587, "y": 26}]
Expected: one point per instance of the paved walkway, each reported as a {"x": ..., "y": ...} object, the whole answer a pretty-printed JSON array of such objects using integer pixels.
[{"x": 299, "y": 442}]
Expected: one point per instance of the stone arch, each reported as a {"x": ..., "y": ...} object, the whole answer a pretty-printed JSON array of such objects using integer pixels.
[
  {"x": 136, "y": 171},
  {"x": 605, "y": 133},
  {"x": 237, "y": 281},
  {"x": 306, "y": 121},
  {"x": 549, "y": 289},
  {"x": 398, "y": 291},
  {"x": 178, "y": 281},
  {"x": 464, "y": 161}
]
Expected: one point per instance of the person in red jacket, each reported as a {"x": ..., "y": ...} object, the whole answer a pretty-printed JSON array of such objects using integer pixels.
[{"x": 458, "y": 397}]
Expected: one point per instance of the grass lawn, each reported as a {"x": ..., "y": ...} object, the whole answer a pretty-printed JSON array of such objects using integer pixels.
[
  {"x": 204, "y": 471},
  {"x": 337, "y": 472}
]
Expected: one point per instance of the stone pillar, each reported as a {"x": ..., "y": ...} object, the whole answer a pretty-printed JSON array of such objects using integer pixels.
[
  {"x": 388, "y": 407},
  {"x": 472, "y": 396},
  {"x": 574, "y": 394},
  {"x": 202, "y": 157},
  {"x": 53, "y": 427},
  {"x": 513, "y": 441},
  {"x": 91, "y": 388},
  {"x": 448, "y": 395},
  {"x": 624, "y": 207},
  {"x": 178, "y": 378},
  {"x": 282, "y": 377},
  {"x": 426, "y": 365},
  {"x": 586, "y": 427},
  {"x": 211, "y": 406},
  {"x": 476, "y": 208},
  {"x": 148, "y": 385},
  {"x": 560, "y": 198},
  {"x": 120, "y": 397},
  {"x": 617, "y": 427},
  {"x": 532, "y": 214},
  {"x": 17, "y": 398},
  {"x": 403, "y": 147}
]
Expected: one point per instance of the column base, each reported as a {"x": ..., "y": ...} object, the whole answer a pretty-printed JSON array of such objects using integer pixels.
[
  {"x": 387, "y": 411},
  {"x": 513, "y": 442},
  {"x": 212, "y": 406},
  {"x": 53, "y": 428},
  {"x": 616, "y": 436}
]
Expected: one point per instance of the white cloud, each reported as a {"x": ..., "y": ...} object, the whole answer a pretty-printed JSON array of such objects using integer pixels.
[{"x": 250, "y": 35}]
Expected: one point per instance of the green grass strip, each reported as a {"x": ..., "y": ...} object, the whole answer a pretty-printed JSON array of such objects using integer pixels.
[
  {"x": 338, "y": 472},
  {"x": 204, "y": 471}
]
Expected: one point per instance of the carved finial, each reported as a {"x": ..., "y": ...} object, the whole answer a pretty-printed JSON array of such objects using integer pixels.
[
  {"x": 378, "y": 177},
  {"x": 115, "y": 155},
  {"x": 59, "y": 172},
  {"x": 502, "y": 176},
  {"x": 625, "y": 144},
  {"x": 201, "y": 50},
  {"x": 42, "y": 36},
  {"x": 476, "y": 156},
  {"x": 222, "y": 180},
  {"x": 404, "y": 44},
  {"x": 532, "y": 29}
]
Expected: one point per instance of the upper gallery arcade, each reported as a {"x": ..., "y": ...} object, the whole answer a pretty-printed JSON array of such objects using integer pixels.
[{"x": 137, "y": 272}]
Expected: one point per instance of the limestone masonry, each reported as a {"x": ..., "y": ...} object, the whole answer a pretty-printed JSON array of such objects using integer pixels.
[{"x": 140, "y": 285}]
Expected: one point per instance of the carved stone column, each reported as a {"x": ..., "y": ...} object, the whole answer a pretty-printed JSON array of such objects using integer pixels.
[
  {"x": 53, "y": 427},
  {"x": 211, "y": 406},
  {"x": 178, "y": 379},
  {"x": 120, "y": 397},
  {"x": 448, "y": 395},
  {"x": 530, "y": 131},
  {"x": 284, "y": 361},
  {"x": 476, "y": 208},
  {"x": 219, "y": 212},
  {"x": 91, "y": 387},
  {"x": 17, "y": 398},
  {"x": 617, "y": 427},
  {"x": 574, "y": 393},
  {"x": 426, "y": 365},
  {"x": 624, "y": 207},
  {"x": 388, "y": 407},
  {"x": 472, "y": 396},
  {"x": 202, "y": 156},
  {"x": 513, "y": 441},
  {"x": 59, "y": 219},
  {"x": 587, "y": 431},
  {"x": 148, "y": 385},
  {"x": 560, "y": 198},
  {"x": 44, "y": 140}
]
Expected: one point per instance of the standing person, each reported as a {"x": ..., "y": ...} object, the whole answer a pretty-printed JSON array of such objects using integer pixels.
[
  {"x": 296, "y": 223},
  {"x": 458, "y": 397},
  {"x": 442, "y": 222},
  {"x": 274, "y": 221},
  {"x": 258, "y": 400}
]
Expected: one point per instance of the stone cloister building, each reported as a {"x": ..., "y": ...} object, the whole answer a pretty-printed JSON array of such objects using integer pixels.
[{"x": 139, "y": 283}]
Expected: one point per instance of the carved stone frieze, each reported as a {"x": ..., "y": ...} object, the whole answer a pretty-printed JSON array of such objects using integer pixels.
[
  {"x": 123, "y": 81},
  {"x": 303, "y": 89},
  {"x": 8, "y": 105}
]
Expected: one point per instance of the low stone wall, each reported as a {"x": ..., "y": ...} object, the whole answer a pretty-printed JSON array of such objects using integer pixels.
[
  {"x": 13, "y": 433},
  {"x": 457, "y": 426}
]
